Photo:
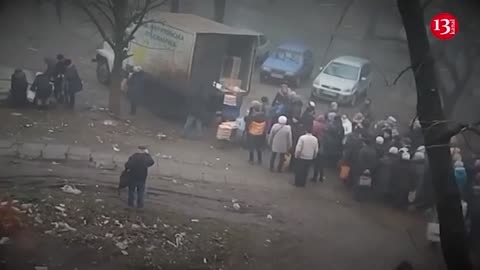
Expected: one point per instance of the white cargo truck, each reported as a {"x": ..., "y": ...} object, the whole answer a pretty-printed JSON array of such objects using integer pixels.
[{"x": 182, "y": 52}]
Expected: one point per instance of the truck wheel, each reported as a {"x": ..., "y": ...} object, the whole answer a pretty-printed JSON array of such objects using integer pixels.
[{"x": 103, "y": 71}]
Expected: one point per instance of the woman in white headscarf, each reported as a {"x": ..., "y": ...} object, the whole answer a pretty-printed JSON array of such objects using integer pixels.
[{"x": 280, "y": 140}]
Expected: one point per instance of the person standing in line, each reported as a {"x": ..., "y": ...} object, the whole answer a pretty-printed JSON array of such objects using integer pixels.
[
  {"x": 305, "y": 152},
  {"x": 136, "y": 84},
  {"x": 137, "y": 170},
  {"x": 280, "y": 140},
  {"x": 319, "y": 127},
  {"x": 59, "y": 78},
  {"x": 256, "y": 124},
  {"x": 74, "y": 83},
  {"x": 18, "y": 88},
  {"x": 308, "y": 116}
]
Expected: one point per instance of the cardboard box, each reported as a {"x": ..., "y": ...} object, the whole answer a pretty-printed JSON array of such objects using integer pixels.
[
  {"x": 231, "y": 67},
  {"x": 231, "y": 83}
]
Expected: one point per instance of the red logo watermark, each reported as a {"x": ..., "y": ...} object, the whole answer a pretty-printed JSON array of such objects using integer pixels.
[{"x": 444, "y": 26}]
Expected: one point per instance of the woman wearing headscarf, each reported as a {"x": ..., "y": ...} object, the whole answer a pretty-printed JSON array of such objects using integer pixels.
[
  {"x": 256, "y": 126},
  {"x": 319, "y": 127},
  {"x": 402, "y": 181},
  {"x": 347, "y": 125},
  {"x": 384, "y": 174},
  {"x": 460, "y": 177},
  {"x": 18, "y": 88},
  {"x": 380, "y": 146},
  {"x": 473, "y": 213},
  {"x": 308, "y": 116},
  {"x": 280, "y": 140}
]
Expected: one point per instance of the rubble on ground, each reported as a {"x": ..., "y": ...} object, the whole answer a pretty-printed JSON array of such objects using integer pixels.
[{"x": 76, "y": 217}]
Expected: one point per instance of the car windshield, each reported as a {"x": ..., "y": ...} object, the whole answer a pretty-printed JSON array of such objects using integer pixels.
[
  {"x": 288, "y": 55},
  {"x": 342, "y": 70}
]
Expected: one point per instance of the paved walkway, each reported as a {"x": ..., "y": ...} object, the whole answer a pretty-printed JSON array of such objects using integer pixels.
[{"x": 165, "y": 164}]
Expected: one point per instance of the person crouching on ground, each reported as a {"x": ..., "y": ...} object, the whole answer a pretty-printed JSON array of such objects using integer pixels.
[
  {"x": 43, "y": 89},
  {"x": 137, "y": 169},
  {"x": 256, "y": 124},
  {"x": 280, "y": 140},
  {"x": 305, "y": 152},
  {"x": 18, "y": 88}
]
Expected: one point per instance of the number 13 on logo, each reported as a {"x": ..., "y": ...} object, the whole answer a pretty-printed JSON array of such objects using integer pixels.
[{"x": 444, "y": 26}]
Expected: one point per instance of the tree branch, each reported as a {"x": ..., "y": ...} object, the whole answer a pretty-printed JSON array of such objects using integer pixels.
[
  {"x": 96, "y": 23},
  {"x": 97, "y": 5},
  {"x": 138, "y": 18}
]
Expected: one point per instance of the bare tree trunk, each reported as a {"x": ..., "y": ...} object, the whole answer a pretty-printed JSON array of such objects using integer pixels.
[
  {"x": 219, "y": 10},
  {"x": 437, "y": 137},
  {"x": 175, "y": 6},
  {"x": 121, "y": 18}
]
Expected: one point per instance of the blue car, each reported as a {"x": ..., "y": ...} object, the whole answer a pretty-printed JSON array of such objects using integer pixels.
[{"x": 291, "y": 63}]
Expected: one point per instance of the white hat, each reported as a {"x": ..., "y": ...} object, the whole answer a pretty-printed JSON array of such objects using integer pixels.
[
  {"x": 421, "y": 148},
  {"x": 393, "y": 150},
  {"x": 38, "y": 73},
  {"x": 312, "y": 104},
  {"x": 458, "y": 164},
  {"x": 392, "y": 119},
  {"x": 418, "y": 156},
  {"x": 282, "y": 120},
  {"x": 137, "y": 68},
  {"x": 405, "y": 156},
  {"x": 379, "y": 140}
]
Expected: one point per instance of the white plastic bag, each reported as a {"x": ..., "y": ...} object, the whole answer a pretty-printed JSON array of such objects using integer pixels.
[{"x": 30, "y": 96}]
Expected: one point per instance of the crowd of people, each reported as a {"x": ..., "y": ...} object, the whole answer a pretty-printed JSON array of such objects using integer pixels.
[
  {"x": 372, "y": 157},
  {"x": 59, "y": 83}
]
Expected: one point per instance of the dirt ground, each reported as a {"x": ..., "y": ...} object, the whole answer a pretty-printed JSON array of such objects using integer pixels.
[
  {"x": 99, "y": 224},
  {"x": 296, "y": 237}
]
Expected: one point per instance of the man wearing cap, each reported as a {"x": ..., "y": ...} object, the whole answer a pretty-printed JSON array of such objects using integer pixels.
[
  {"x": 136, "y": 84},
  {"x": 137, "y": 169}
]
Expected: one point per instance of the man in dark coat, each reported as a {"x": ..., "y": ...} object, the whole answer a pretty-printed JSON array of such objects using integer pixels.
[
  {"x": 136, "y": 85},
  {"x": 384, "y": 174},
  {"x": 334, "y": 142},
  {"x": 73, "y": 82},
  {"x": 137, "y": 169},
  {"x": 43, "y": 89},
  {"x": 59, "y": 78},
  {"x": 18, "y": 88}
]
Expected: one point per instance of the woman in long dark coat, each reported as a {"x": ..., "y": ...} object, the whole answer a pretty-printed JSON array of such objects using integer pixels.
[
  {"x": 384, "y": 174},
  {"x": 334, "y": 142},
  {"x": 18, "y": 88},
  {"x": 402, "y": 181}
]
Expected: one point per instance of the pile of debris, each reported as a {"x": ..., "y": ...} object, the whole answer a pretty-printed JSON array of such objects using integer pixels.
[{"x": 83, "y": 217}]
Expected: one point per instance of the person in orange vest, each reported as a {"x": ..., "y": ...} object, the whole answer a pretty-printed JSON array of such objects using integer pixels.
[{"x": 256, "y": 123}]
